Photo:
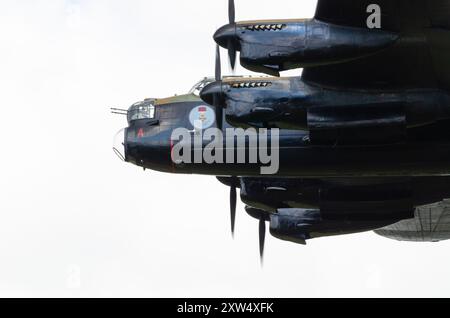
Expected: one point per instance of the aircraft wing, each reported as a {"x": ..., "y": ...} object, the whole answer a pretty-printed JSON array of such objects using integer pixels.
[
  {"x": 301, "y": 209},
  {"x": 430, "y": 224},
  {"x": 418, "y": 59}
]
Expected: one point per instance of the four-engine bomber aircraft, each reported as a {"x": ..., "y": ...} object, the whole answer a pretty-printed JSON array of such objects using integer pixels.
[{"x": 360, "y": 141}]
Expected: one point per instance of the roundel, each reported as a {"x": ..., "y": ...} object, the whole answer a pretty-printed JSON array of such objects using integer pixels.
[{"x": 202, "y": 117}]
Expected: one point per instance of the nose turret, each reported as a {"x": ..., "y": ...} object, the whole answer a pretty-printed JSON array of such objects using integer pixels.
[{"x": 119, "y": 145}]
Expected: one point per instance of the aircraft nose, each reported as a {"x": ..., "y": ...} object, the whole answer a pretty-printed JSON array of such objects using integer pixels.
[
  {"x": 119, "y": 144},
  {"x": 212, "y": 93},
  {"x": 225, "y": 35}
]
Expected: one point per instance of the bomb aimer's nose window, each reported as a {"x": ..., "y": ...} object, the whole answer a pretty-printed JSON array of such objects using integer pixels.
[{"x": 142, "y": 110}]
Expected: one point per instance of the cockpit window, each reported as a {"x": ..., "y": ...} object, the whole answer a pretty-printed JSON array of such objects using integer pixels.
[
  {"x": 200, "y": 85},
  {"x": 142, "y": 110}
]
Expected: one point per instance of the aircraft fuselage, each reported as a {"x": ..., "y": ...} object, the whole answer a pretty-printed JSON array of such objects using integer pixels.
[{"x": 426, "y": 151}]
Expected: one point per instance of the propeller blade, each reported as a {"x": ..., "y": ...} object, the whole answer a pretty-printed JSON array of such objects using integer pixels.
[
  {"x": 216, "y": 101},
  {"x": 218, "y": 64},
  {"x": 233, "y": 202},
  {"x": 219, "y": 112},
  {"x": 231, "y": 11},
  {"x": 262, "y": 237},
  {"x": 232, "y": 54}
]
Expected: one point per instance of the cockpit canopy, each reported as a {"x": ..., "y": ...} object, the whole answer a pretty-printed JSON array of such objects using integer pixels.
[
  {"x": 141, "y": 110},
  {"x": 197, "y": 88}
]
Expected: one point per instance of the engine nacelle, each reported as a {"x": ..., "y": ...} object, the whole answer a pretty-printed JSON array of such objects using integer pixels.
[
  {"x": 299, "y": 225},
  {"x": 283, "y": 45},
  {"x": 294, "y": 225}
]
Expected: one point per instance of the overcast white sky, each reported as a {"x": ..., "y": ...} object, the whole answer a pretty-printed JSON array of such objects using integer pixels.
[{"x": 75, "y": 221}]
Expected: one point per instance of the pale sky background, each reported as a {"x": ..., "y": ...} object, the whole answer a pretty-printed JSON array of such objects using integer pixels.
[{"x": 77, "y": 222}]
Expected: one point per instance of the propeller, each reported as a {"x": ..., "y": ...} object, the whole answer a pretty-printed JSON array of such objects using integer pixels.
[
  {"x": 216, "y": 98},
  {"x": 233, "y": 183},
  {"x": 231, "y": 11},
  {"x": 218, "y": 64},
  {"x": 231, "y": 45},
  {"x": 263, "y": 217},
  {"x": 233, "y": 202},
  {"x": 262, "y": 237},
  {"x": 232, "y": 54},
  {"x": 226, "y": 36}
]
